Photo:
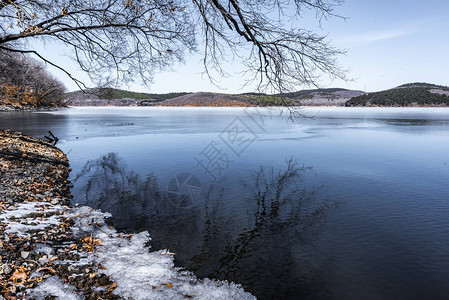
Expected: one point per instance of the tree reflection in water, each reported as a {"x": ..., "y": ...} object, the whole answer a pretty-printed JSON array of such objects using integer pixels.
[
  {"x": 105, "y": 184},
  {"x": 260, "y": 240}
]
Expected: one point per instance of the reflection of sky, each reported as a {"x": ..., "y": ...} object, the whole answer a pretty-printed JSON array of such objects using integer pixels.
[
  {"x": 357, "y": 142},
  {"x": 330, "y": 138},
  {"x": 341, "y": 137}
]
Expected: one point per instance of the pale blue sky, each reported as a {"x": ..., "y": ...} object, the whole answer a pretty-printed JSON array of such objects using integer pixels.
[{"x": 388, "y": 43}]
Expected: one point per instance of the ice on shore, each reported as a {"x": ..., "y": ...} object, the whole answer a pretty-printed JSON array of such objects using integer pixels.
[
  {"x": 138, "y": 272},
  {"x": 55, "y": 287},
  {"x": 14, "y": 224},
  {"x": 141, "y": 274}
]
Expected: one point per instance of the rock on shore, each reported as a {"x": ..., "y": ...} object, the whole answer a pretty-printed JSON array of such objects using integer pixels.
[{"x": 50, "y": 250}]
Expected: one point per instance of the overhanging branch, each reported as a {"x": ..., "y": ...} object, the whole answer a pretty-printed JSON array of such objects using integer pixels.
[{"x": 78, "y": 82}]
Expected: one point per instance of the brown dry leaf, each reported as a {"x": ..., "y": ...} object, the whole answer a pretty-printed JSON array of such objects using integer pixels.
[
  {"x": 169, "y": 285},
  {"x": 111, "y": 287},
  {"x": 19, "y": 276},
  {"x": 89, "y": 243},
  {"x": 101, "y": 267},
  {"x": 47, "y": 269}
]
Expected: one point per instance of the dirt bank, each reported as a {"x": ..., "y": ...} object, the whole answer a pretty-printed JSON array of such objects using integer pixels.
[{"x": 35, "y": 226}]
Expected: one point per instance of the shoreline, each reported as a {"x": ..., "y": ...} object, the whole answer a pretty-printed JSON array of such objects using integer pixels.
[
  {"x": 10, "y": 109},
  {"x": 52, "y": 249},
  {"x": 29, "y": 109},
  {"x": 273, "y": 106},
  {"x": 35, "y": 223}
]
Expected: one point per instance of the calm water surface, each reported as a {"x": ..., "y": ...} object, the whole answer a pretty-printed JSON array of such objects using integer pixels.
[{"x": 350, "y": 203}]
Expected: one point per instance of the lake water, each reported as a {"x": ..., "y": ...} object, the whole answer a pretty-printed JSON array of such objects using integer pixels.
[{"x": 346, "y": 203}]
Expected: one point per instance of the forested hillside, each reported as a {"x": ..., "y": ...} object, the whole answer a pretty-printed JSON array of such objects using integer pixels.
[
  {"x": 25, "y": 83},
  {"x": 209, "y": 99},
  {"x": 412, "y": 94},
  {"x": 321, "y": 97},
  {"x": 115, "y": 97}
]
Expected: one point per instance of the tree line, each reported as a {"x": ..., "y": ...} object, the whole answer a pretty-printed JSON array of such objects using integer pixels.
[
  {"x": 414, "y": 96},
  {"x": 25, "y": 82}
]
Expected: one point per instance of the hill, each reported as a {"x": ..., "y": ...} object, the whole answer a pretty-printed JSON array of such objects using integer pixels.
[
  {"x": 115, "y": 97},
  {"x": 322, "y": 97},
  {"x": 208, "y": 99},
  {"x": 411, "y": 94},
  {"x": 420, "y": 85}
]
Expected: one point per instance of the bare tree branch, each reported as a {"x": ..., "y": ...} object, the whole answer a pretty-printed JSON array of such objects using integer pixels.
[
  {"x": 115, "y": 40},
  {"x": 79, "y": 83},
  {"x": 25, "y": 82}
]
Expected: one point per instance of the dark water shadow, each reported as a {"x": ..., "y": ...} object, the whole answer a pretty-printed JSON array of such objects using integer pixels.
[
  {"x": 262, "y": 243},
  {"x": 35, "y": 124},
  {"x": 414, "y": 122}
]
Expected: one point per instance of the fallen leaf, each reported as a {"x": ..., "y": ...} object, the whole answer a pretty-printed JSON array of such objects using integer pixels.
[
  {"x": 19, "y": 276},
  {"x": 111, "y": 287},
  {"x": 47, "y": 269},
  {"x": 89, "y": 243}
]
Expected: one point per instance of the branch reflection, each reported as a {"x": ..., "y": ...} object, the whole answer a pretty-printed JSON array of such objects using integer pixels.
[{"x": 258, "y": 231}]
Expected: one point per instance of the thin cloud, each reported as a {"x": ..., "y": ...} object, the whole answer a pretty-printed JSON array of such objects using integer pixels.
[
  {"x": 410, "y": 28},
  {"x": 372, "y": 37}
]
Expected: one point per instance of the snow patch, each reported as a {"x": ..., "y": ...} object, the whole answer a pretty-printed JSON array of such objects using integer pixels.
[
  {"x": 15, "y": 224},
  {"x": 53, "y": 286}
]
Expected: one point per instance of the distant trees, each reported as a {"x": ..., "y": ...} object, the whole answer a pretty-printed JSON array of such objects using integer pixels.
[
  {"x": 209, "y": 99},
  {"x": 25, "y": 82},
  {"x": 403, "y": 96},
  {"x": 121, "y": 40}
]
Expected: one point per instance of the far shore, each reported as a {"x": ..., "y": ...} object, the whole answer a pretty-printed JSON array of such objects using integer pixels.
[{"x": 12, "y": 109}]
